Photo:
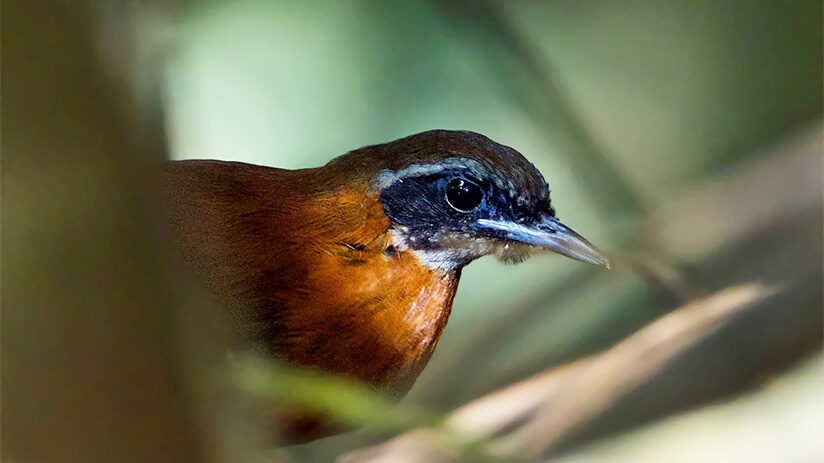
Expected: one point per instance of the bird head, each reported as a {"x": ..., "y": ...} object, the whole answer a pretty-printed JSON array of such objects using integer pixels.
[{"x": 454, "y": 196}]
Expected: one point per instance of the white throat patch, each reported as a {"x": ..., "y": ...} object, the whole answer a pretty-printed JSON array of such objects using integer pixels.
[{"x": 457, "y": 251}]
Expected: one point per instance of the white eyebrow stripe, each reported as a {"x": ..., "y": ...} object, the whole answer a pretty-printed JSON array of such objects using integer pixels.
[{"x": 389, "y": 177}]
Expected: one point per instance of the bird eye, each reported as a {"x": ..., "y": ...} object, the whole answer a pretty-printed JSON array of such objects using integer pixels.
[{"x": 463, "y": 195}]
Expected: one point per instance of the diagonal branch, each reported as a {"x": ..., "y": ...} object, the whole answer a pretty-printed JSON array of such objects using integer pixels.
[{"x": 534, "y": 416}]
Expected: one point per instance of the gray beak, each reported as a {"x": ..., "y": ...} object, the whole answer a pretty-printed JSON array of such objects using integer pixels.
[{"x": 549, "y": 233}]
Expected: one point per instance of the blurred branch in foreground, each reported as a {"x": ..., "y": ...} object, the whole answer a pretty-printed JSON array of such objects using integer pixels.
[
  {"x": 535, "y": 416},
  {"x": 95, "y": 367}
]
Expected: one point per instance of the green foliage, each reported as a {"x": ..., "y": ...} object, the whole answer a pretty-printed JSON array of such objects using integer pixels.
[{"x": 352, "y": 403}]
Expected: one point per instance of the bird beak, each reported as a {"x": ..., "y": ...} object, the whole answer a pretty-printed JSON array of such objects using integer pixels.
[{"x": 549, "y": 233}]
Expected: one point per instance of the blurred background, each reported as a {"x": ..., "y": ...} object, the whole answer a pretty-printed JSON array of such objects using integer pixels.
[{"x": 682, "y": 137}]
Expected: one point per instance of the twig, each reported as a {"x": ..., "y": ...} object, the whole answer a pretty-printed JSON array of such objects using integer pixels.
[{"x": 531, "y": 417}]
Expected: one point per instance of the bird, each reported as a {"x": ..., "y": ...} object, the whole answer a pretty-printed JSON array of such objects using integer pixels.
[{"x": 351, "y": 268}]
